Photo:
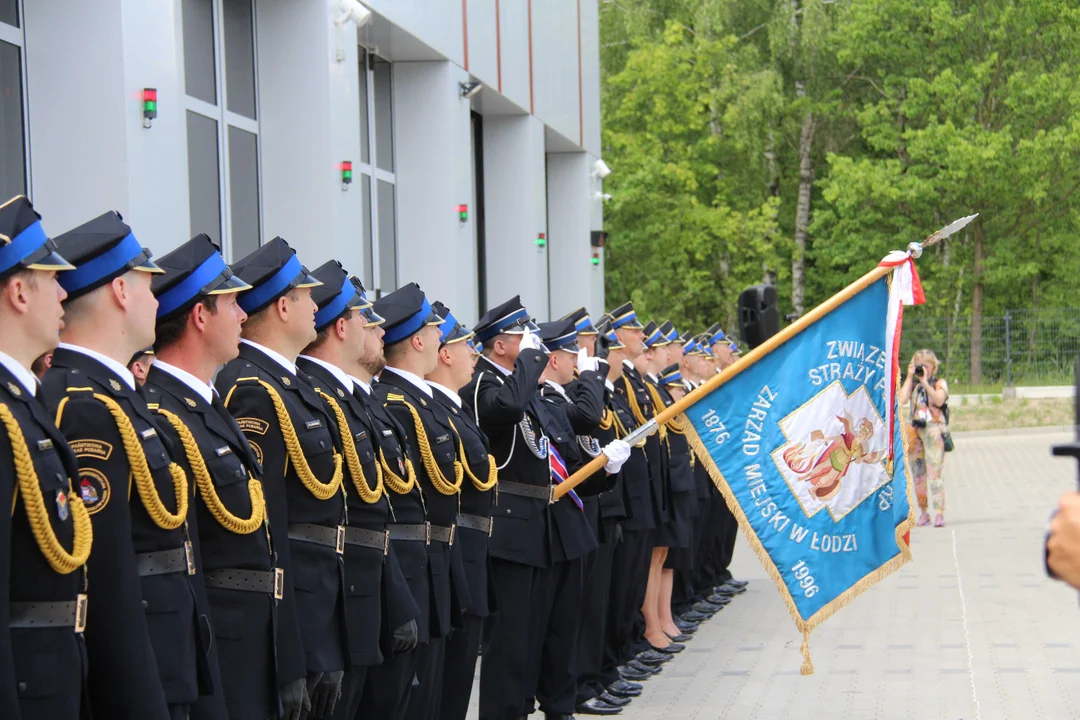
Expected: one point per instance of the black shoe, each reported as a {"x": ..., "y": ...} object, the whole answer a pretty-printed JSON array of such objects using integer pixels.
[
  {"x": 686, "y": 627},
  {"x": 736, "y": 583},
  {"x": 642, "y": 667},
  {"x": 614, "y": 701},
  {"x": 680, "y": 638},
  {"x": 706, "y": 608},
  {"x": 558, "y": 716},
  {"x": 629, "y": 673},
  {"x": 718, "y": 599},
  {"x": 594, "y": 706},
  {"x": 625, "y": 689},
  {"x": 729, "y": 589},
  {"x": 653, "y": 657},
  {"x": 694, "y": 616},
  {"x": 672, "y": 649}
]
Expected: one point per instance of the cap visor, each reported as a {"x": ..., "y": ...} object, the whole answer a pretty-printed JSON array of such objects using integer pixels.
[
  {"x": 145, "y": 264},
  {"x": 372, "y": 317},
  {"x": 303, "y": 280},
  {"x": 433, "y": 319},
  {"x": 51, "y": 261},
  {"x": 571, "y": 348},
  {"x": 225, "y": 285}
]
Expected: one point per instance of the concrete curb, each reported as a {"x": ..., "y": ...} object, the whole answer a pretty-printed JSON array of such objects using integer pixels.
[{"x": 1045, "y": 429}]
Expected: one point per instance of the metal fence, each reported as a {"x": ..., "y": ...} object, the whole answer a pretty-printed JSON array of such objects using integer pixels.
[{"x": 1021, "y": 347}]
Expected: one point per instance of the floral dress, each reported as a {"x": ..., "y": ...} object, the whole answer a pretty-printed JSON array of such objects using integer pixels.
[{"x": 926, "y": 448}]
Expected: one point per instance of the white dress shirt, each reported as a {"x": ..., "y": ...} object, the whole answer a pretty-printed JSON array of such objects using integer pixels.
[
  {"x": 413, "y": 379},
  {"x": 334, "y": 370},
  {"x": 22, "y": 374},
  {"x": 108, "y": 362},
  {"x": 273, "y": 355},
  {"x": 454, "y": 397},
  {"x": 203, "y": 389},
  {"x": 366, "y": 387}
]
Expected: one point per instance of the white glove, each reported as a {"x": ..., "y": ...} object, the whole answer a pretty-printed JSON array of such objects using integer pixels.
[
  {"x": 585, "y": 363},
  {"x": 618, "y": 452},
  {"x": 531, "y": 341}
]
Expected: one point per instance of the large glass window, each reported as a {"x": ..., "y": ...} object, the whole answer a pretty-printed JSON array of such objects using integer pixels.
[
  {"x": 13, "y": 165},
  {"x": 222, "y": 123},
  {"x": 377, "y": 177}
]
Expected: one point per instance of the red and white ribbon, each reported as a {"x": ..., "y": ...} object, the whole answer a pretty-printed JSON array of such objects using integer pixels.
[{"x": 906, "y": 289}]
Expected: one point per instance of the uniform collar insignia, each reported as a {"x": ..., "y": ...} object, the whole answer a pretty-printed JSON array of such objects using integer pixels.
[
  {"x": 189, "y": 401},
  {"x": 285, "y": 381},
  {"x": 340, "y": 392},
  {"x": 14, "y": 389},
  {"x": 115, "y": 385}
]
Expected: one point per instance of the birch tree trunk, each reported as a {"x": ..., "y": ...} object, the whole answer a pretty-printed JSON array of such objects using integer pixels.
[{"x": 802, "y": 209}]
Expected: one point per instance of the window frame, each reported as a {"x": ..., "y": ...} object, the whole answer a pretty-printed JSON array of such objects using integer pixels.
[
  {"x": 16, "y": 35},
  {"x": 224, "y": 118},
  {"x": 374, "y": 173}
]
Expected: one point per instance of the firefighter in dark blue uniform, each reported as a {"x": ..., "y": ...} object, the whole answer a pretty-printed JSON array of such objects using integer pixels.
[
  {"x": 46, "y": 538},
  {"x": 345, "y": 323},
  {"x": 198, "y": 330},
  {"x": 474, "y": 523},
  {"x": 146, "y": 644},
  {"x": 412, "y": 347},
  {"x": 294, "y": 436}
]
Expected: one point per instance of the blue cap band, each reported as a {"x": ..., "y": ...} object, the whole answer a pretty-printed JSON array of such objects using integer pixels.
[
  {"x": 190, "y": 286},
  {"x": 22, "y": 246},
  {"x": 335, "y": 306},
  {"x": 503, "y": 323},
  {"x": 448, "y": 324},
  {"x": 689, "y": 347},
  {"x": 673, "y": 336},
  {"x": 275, "y": 285},
  {"x": 105, "y": 264},
  {"x": 716, "y": 338},
  {"x": 672, "y": 378},
  {"x": 628, "y": 318},
  {"x": 407, "y": 328}
]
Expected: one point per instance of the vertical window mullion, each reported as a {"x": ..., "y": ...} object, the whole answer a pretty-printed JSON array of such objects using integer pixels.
[
  {"x": 223, "y": 131},
  {"x": 376, "y": 276}
]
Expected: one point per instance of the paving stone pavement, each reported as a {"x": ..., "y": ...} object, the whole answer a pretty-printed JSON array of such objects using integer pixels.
[{"x": 971, "y": 629}]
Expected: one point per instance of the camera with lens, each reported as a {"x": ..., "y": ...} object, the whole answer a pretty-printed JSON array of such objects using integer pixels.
[{"x": 919, "y": 370}]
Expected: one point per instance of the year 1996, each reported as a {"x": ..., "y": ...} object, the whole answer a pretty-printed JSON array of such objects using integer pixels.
[{"x": 805, "y": 579}]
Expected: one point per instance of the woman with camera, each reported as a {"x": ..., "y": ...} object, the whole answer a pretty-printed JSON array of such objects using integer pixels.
[{"x": 928, "y": 395}]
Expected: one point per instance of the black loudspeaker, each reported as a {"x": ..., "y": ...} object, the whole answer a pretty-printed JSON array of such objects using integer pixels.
[{"x": 759, "y": 319}]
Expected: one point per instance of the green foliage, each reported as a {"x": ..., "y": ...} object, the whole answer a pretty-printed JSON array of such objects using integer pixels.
[{"x": 925, "y": 111}]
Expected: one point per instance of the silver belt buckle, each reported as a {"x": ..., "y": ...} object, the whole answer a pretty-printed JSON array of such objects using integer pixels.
[
  {"x": 279, "y": 583},
  {"x": 427, "y": 533},
  {"x": 551, "y": 494},
  {"x": 491, "y": 526},
  {"x": 80, "y": 612},
  {"x": 189, "y": 557},
  {"x": 340, "y": 546},
  {"x": 386, "y": 542},
  {"x": 452, "y": 528}
]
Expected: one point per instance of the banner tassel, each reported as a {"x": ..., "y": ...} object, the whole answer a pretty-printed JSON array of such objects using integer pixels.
[{"x": 807, "y": 662}]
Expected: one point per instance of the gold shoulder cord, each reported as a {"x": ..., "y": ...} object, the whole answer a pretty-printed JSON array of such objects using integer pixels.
[
  {"x": 438, "y": 480},
  {"x": 675, "y": 424},
  {"x": 28, "y": 486},
  {"x": 395, "y": 482},
  {"x": 205, "y": 484},
  {"x": 493, "y": 472},
  {"x": 322, "y": 491},
  {"x": 607, "y": 419},
  {"x": 367, "y": 493},
  {"x": 140, "y": 471},
  {"x": 631, "y": 396},
  {"x": 621, "y": 431}
]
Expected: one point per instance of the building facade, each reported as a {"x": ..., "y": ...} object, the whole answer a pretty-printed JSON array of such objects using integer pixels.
[{"x": 263, "y": 106}]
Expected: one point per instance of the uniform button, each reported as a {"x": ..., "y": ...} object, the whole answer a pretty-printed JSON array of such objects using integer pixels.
[
  {"x": 22, "y": 687},
  {"x": 145, "y": 605},
  {"x": 238, "y": 473},
  {"x": 163, "y": 457},
  {"x": 322, "y": 443},
  {"x": 507, "y": 511},
  {"x": 352, "y": 588}
]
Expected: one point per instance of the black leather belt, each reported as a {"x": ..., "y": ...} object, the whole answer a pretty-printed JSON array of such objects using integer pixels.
[
  {"x": 442, "y": 534},
  {"x": 475, "y": 522},
  {"x": 333, "y": 537},
  {"x": 537, "y": 492},
  {"x": 368, "y": 538},
  {"x": 258, "y": 581},
  {"x": 164, "y": 562},
  {"x": 420, "y": 533},
  {"x": 65, "y": 614}
]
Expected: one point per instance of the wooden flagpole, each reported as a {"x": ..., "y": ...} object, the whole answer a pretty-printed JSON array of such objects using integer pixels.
[{"x": 684, "y": 403}]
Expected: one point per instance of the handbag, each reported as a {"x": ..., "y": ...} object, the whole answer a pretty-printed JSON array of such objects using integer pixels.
[{"x": 947, "y": 438}]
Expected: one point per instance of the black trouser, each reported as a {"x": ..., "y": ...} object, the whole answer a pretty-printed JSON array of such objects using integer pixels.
[
  {"x": 388, "y": 687},
  {"x": 352, "y": 689},
  {"x": 594, "y": 622},
  {"x": 424, "y": 700},
  {"x": 556, "y": 621},
  {"x": 504, "y": 669},
  {"x": 459, "y": 669},
  {"x": 179, "y": 712},
  {"x": 628, "y": 565},
  {"x": 641, "y": 583}
]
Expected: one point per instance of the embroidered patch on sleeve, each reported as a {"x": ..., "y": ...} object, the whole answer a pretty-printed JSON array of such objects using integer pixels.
[
  {"x": 94, "y": 490},
  {"x": 89, "y": 448},
  {"x": 258, "y": 450},
  {"x": 253, "y": 425}
]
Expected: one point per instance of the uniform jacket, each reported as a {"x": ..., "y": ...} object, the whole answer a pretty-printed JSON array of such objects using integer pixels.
[
  {"x": 473, "y": 544},
  {"x": 680, "y": 468},
  {"x": 364, "y": 566},
  {"x": 634, "y": 475},
  {"x": 311, "y": 617},
  {"x": 407, "y": 561},
  {"x": 41, "y": 669},
  {"x": 632, "y": 388},
  {"x": 143, "y": 637},
  {"x": 401, "y": 399},
  {"x": 498, "y": 403},
  {"x": 243, "y": 622}
]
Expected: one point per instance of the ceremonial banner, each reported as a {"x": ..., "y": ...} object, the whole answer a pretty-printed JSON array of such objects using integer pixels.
[{"x": 805, "y": 444}]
